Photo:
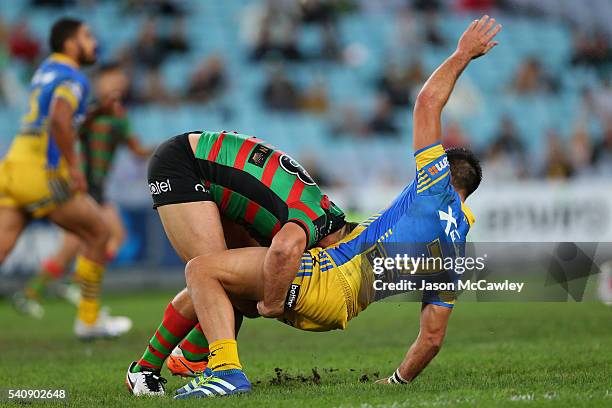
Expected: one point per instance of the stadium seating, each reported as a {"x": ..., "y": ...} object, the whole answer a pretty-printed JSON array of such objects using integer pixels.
[{"x": 355, "y": 84}]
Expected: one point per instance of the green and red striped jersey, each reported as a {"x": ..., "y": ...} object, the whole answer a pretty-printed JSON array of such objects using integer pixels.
[
  {"x": 99, "y": 141},
  {"x": 262, "y": 188}
]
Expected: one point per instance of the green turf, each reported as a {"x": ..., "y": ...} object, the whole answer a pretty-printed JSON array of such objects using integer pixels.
[{"x": 528, "y": 354}]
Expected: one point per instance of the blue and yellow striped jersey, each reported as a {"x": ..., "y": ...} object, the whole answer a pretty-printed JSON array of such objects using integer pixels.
[
  {"x": 57, "y": 77},
  {"x": 427, "y": 218}
]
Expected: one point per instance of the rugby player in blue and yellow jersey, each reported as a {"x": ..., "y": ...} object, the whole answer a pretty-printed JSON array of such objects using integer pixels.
[
  {"x": 334, "y": 284},
  {"x": 41, "y": 174}
]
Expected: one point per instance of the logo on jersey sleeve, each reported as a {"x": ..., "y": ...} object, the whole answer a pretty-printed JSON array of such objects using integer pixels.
[
  {"x": 42, "y": 78},
  {"x": 438, "y": 167},
  {"x": 199, "y": 187},
  {"x": 260, "y": 155},
  {"x": 160, "y": 187},
  {"x": 293, "y": 167}
]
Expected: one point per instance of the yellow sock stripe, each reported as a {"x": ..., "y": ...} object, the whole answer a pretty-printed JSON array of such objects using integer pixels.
[{"x": 88, "y": 270}]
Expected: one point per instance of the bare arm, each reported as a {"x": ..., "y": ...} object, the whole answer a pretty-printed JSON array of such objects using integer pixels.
[
  {"x": 62, "y": 131},
  {"x": 280, "y": 265},
  {"x": 475, "y": 42},
  {"x": 138, "y": 149},
  {"x": 434, "y": 320},
  {"x": 60, "y": 124}
]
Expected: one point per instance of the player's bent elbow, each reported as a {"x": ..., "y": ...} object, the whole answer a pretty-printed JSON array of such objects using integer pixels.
[{"x": 286, "y": 248}]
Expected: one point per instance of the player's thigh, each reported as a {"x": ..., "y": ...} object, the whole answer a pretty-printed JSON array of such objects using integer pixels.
[
  {"x": 12, "y": 223},
  {"x": 111, "y": 215},
  {"x": 193, "y": 228},
  {"x": 240, "y": 271},
  {"x": 82, "y": 216}
]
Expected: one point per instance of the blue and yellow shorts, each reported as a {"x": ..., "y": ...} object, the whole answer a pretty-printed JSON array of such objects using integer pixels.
[
  {"x": 320, "y": 298},
  {"x": 32, "y": 188}
]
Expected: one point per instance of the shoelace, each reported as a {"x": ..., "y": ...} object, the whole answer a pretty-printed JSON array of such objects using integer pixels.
[
  {"x": 201, "y": 379},
  {"x": 153, "y": 381}
]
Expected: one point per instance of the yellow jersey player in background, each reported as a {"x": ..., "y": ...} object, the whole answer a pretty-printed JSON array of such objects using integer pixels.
[
  {"x": 105, "y": 130},
  {"x": 41, "y": 175},
  {"x": 334, "y": 284}
]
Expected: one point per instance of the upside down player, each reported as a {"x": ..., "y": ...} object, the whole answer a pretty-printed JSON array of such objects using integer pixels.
[
  {"x": 211, "y": 189},
  {"x": 333, "y": 285},
  {"x": 104, "y": 130},
  {"x": 41, "y": 174}
]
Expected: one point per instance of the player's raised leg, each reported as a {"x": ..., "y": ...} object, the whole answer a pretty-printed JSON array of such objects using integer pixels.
[{"x": 82, "y": 216}]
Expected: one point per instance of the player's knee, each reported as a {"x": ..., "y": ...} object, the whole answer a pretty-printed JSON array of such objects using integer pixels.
[
  {"x": 97, "y": 234},
  {"x": 434, "y": 340},
  {"x": 203, "y": 267},
  {"x": 193, "y": 269}
]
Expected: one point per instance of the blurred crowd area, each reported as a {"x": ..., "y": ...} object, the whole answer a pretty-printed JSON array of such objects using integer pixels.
[{"x": 333, "y": 81}]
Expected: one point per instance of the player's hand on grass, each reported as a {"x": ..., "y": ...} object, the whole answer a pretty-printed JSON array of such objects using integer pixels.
[
  {"x": 270, "y": 311},
  {"x": 382, "y": 381},
  {"x": 78, "y": 182},
  {"x": 477, "y": 40}
]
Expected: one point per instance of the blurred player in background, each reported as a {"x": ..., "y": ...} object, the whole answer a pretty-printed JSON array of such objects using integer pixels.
[
  {"x": 333, "y": 285},
  {"x": 41, "y": 175},
  {"x": 105, "y": 129}
]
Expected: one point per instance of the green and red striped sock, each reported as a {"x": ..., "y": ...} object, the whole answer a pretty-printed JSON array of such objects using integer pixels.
[
  {"x": 50, "y": 270},
  {"x": 195, "y": 345},
  {"x": 169, "y": 333}
]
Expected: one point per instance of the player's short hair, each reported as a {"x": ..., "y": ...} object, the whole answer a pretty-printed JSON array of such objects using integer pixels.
[
  {"x": 465, "y": 167},
  {"x": 62, "y": 30}
]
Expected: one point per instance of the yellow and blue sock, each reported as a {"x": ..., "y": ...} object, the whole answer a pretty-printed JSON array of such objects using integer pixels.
[{"x": 89, "y": 275}]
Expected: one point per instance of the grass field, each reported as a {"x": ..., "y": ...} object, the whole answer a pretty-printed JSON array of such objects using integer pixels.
[{"x": 495, "y": 354}]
